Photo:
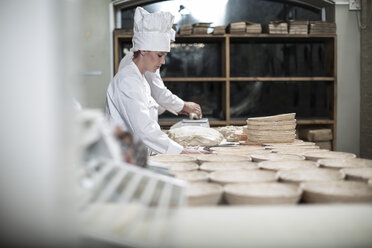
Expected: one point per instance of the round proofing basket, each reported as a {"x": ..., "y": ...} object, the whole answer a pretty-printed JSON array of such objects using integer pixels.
[
  {"x": 275, "y": 157},
  {"x": 299, "y": 152},
  {"x": 262, "y": 193},
  {"x": 236, "y": 148},
  {"x": 345, "y": 163},
  {"x": 248, "y": 154},
  {"x": 309, "y": 175},
  {"x": 185, "y": 166},
  {"x": 294, "y": 142},
  {"x": 201, "y": 194},
  {"x": 223, "y": 166},
  {"x": 336, "y": 192},
  {"x": 293, "y": 145},
  {"x": 221, "y": 158},
  {"x": 192, "y": 176},
  {"x": 242, "y": 176},
  {"x": 294, "y": 148},
  {"x": 330, "y": 154},
  {"x": 287, "y": 164},
  {"x": 358, "y": 174},
  {"x": 171, "y": 158}
]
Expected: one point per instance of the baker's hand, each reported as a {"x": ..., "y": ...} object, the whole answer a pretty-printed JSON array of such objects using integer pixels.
[
  {"x": 194, "y": 151},
  {"x": 191, "y": 107}
]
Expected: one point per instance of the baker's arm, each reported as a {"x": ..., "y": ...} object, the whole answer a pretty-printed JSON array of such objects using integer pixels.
[
  {"x": 162, "y": 95},
  {"x": 191, "y": 107}
]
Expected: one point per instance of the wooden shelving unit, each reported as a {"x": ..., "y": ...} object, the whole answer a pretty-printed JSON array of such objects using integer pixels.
[{"x": 330, "y": 60}]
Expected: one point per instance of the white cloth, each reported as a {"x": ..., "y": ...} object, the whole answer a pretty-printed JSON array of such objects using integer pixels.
[
  {"x": 164, "y": 97},
  {"x": 152, "y": 31},
  {"x": 130, "y": 105}
]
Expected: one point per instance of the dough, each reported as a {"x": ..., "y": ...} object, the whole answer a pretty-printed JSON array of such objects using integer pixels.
[
  {"x": 194, "y": 116},
  {"x": 195, "y": 136},
  {"x": 231, "y": 132}
]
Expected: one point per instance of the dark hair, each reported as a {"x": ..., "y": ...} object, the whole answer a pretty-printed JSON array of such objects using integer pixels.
[{"x": 136, "y": 54}]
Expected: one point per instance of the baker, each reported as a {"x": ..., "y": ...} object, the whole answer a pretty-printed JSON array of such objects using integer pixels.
[{"x": 135, "y": 93}]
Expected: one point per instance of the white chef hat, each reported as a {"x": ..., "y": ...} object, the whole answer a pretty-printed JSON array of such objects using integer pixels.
[{"x": 152, "y": 31}]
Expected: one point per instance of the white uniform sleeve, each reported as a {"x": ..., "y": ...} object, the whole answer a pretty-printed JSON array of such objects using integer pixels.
[
  {"x": 164, "y": 97},
  {"x": 133, "y": 107}
]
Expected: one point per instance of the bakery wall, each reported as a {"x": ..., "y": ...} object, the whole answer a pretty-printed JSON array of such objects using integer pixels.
[
  {"x": 365, "y": 81},
  {"x": 348, "y": 78},
  {"x": 96, "y": 53},
  {"x": 97, "y": 58}
]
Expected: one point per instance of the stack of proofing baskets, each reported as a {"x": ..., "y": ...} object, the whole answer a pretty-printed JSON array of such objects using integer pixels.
[{"x": 271, "y": 129}]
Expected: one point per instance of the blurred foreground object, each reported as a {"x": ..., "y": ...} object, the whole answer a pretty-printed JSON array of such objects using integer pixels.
[
  {"x": 133, "y": 149},
  {"x": 120, "y": 203}
]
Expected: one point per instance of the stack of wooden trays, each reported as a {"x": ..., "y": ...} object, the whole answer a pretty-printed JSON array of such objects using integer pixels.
[
  {"x": 253, "y": 28},
  {"x": 237, "y": 27},
  {"x": 287, "y": 164},
  {"x": 271, "y": 129},
  {"x": 301, "y": 175},
  {"x": 200, "y": 194},
  {"x": 244, "y": 27},
  {"x": 185, "y": 30},
  {"x": 262, "y": 194},
  {"x": 277, "y": 27},
  {"x": 321, "y": 136},
  {"x": 219, "y": 29},
  {"x": 225, "y": 166},
  {"x": 200, "y": 28},
  {"x": 298, "y": 27},
  {"x": 320, "y": 27},
  {"x": 336, "y": 192}
]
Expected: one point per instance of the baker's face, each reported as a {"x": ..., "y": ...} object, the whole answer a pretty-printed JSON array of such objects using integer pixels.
[{"x": 155, "y": 60}]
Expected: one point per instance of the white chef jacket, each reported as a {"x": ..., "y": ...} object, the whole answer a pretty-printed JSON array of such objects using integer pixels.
[
  {"x": 130, "y": 105},
  {"x": 164, "y": 97}
]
